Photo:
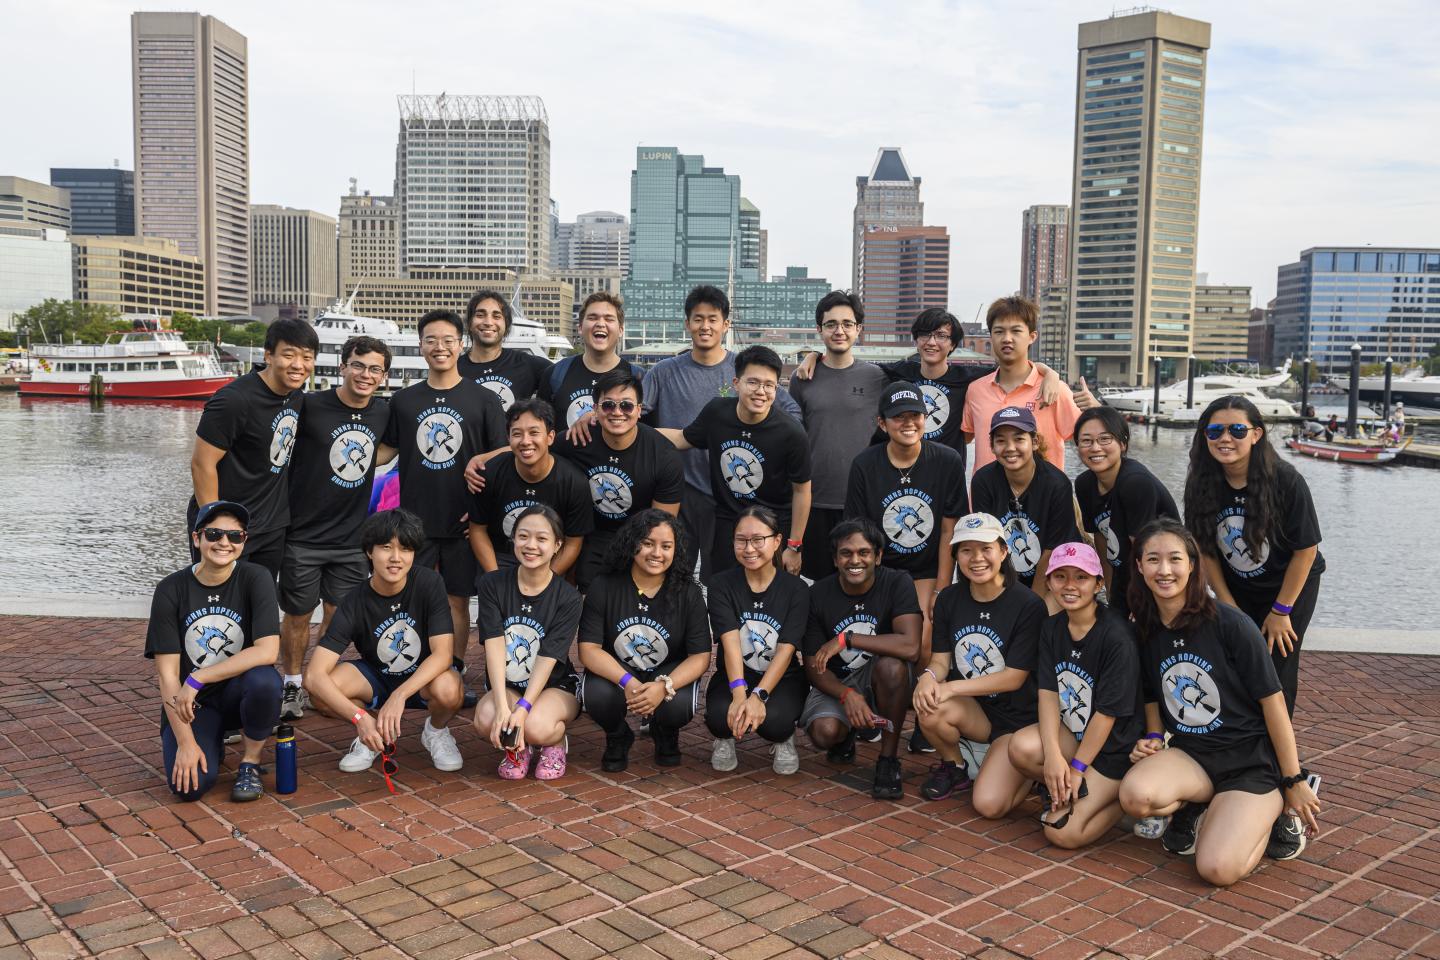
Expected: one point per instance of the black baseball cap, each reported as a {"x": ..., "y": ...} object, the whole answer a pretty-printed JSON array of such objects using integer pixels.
[
  {"x": 207, "y": 512},
  {"x": 901, "y": 397}
]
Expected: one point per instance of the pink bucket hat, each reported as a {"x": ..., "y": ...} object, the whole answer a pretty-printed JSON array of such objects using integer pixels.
[{"x": 1080, "y": 555}]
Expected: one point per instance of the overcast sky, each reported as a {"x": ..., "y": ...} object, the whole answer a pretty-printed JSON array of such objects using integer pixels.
[{"x": 1322, "y": 118}]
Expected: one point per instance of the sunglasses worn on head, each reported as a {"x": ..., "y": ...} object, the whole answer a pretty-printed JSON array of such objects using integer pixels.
[
  {"x": 216, "y": 534},
  {"x": 1214, "y": 431},
  {"x": 624, "y": 406}
]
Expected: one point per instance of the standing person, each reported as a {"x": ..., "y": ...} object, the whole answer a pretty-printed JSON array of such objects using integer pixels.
[
  {"x": 1090, "y": 709},
  {"x": 630, "y": 467},
  {"x": 758, "y": 615},
  {"x": 527, "y": 474},
  {"x": 980, "y": 683},
  {"x": 214, "y": 636},
  {"x": 1032, "y": 497},
  {"x": 678, "y": 388},
  {"x": 570, "y": 386},
  {"x": 333, "y": 467},
  {"x": 528, "y": 618},
  {"x": 246, "y": 436},
  {"x": 757, "y": 456},
  {"x": 862, "y": 638},
  {"x": 644, "y": 641},
  {"x": 1232, "y": 756},
  {"x": 438, "y": 425},
  {"x": 399, "y": 624},
  {"x": 511, "y": 374},
  {"x": 1013, "y": 325},
  {"x": 1259, "y": 536},
  {"x": 1117, "y": 496}
]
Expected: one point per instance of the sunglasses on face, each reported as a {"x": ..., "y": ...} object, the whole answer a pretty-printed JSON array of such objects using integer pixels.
[
  {"x": 215, "y": 535},
  {"x": 1214, "y": 431},
  {"x": 624, "y": 406}
]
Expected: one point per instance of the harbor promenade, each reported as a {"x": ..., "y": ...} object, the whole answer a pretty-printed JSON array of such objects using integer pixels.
[{"x": 96, "y": 859}]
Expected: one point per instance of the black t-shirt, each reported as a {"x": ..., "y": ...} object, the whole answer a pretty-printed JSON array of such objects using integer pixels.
[
  {"x": 507, "y": 494},
  {"x": 208, "y": 625},
  {"x": 1040, "y": 519},
  {"x": 944, "y": 398},
  {"x": 624, "y": 482},
  {"x": 1101, "y": 674},
  {"x": 538, "y": 626},
  {"x": 986, "y": 638},
  {"x": 832, "y": 611},
  {"x": 392, "y": 634},
  {"x": 575, "y": 397},
  {"x": 257, "y": 429},
  {"x": 437, "y": 432},
  {"x": 908, "y": 504},
  {"x": 1137, "y": 497},
  {"x": 1257, "y": 572},
  {"x": 513, "y": 375},
  {"x": 647, "y": 635},
  {"x": 764, "y": 620},
  {"x": 1210, "y": 680},
  {"x": 750, "y": 463},
  {"x": 331, "y": 471}
]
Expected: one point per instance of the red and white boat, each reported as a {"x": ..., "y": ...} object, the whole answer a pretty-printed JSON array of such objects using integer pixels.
[
  {"x": 143, "y": 365},
  {"x": 1348, "y": 451}
]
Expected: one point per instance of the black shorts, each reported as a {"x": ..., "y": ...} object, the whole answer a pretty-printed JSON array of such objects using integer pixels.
[
  {"x": 1250, "y": 767},
  {"x": 454, "y": 559},
  {"x": 1113, "y": 764},
  {"x": 1001, "y": 725},
  {"x": 310, "y": 574},
  {"x": 383, "y": 684},
  {"x": 563, "y": 677}
]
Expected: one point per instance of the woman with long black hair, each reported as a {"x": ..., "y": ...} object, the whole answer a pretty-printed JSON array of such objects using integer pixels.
[
  {"x": 644, "y": 640},
  {"x": 1259, "y": 537}
]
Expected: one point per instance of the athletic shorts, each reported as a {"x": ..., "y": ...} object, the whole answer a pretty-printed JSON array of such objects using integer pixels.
[
  {"x": 819, "y": 704},
  {"x": 382, "y": 685},
  {"x": 309, "y": 574},
  {"x": 1001, "y": 726},
  {"x": 454, "y": 559},
  {"x": 563, "y": 678},
  {"x": 1249, "y": 767},
  {"x": 1113, "y": 764}
]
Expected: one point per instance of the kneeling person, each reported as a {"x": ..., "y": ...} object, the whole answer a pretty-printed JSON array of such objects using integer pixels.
[{"x": 399, "y": 623}]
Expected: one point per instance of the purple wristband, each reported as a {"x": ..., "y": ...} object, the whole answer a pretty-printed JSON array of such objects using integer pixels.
[
  {"x": 1280, "y": 608},
  {"x": 736, "y": 684},
  {"x": 1079, "y": 766},
  {"x": 522, "y": 702},
  {"x": 624, "y": 680},
  {"x": 193, "y": 684},
  {"x": 1154, "y": 736}
]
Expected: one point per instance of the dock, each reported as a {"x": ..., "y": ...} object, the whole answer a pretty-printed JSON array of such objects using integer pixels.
[{"x": 1420, "y": 455}]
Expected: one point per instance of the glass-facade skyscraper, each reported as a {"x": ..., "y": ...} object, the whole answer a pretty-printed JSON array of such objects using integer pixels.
[
  {"x": 102, "y": 200},
  {"x": 684, "y": 220}
]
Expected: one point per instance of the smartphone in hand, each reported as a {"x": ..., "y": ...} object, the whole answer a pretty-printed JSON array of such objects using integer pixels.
[{"x": 509, "y": 736}]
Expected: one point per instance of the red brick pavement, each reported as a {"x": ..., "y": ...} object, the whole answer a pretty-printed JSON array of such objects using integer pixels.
[{"x": 96, "y": 859}]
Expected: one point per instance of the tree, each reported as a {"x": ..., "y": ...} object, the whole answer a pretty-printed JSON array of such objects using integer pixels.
[{"x": 64, "y": 321}]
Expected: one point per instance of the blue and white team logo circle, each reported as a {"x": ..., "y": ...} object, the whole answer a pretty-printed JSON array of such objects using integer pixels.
[
  {"x": 1191, "y": 696},
  {"x": 1237, "y": 551},
  {"x": 350, "y": 455},
  {"x": 501, "y": 390},
  {"x": 522, "y": 646},
  {"x": 1023, "y": 542},
  {"x": 438, "y": 437},
  {"x": 742, "y": 470},
  {"x": 937, "y": 408},
  {"x": 852, "y": 658},
  {"x": 212, "y": 639},
  {"x": 578, "y": 408},
  {"x": 610, "y": 493},
  {"x": 908, "y": 521},
  {"x": 512, "y": 516},
  {"x": 1112, "y": 542},
  {"x": 282, "y": 440},
  {"x": 399, "y": 648},
  {"x": 1075, "y": 702},
  {"x": 642, "y": 647},
  {"x": 977, "y": 655},
  {"x": 757, "y": 644}
]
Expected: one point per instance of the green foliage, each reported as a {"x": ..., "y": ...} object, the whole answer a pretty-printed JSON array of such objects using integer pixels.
[
  {"x": 65, "y": 321},
  {"x": 192, "y": 328}
]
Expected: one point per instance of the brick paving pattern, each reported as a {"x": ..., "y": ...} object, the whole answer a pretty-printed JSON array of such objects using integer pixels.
[{"x": 97, "y": 860}]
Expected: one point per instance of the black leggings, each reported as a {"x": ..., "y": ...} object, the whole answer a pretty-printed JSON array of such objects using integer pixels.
[
  {"x": 250, "y": 701},
  {"x": 604, "y": 702},
  {"x": 1287, "y": 667},
  {"x": 781, "y": 713}
]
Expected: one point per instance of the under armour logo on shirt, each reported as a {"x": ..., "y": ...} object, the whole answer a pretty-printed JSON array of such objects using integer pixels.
[
  {"x": 984, "y": 616},
  {"x": 745, "y": 434},
  {"x": 394, "y": 607},
  {"x": 643, "y": 606},
  {"x": 614, "y": 459},
  {"x": 529, "y": 493},
  {"x": 439, "y": 399},
  {"x": 859, "y": 606},
  {"x": 1180, "y": 642},
  {"x": 526, "y": 607},
  {"x": 213, "y": 599},
  {"x": 354, "y": 416},
  {"x": 759, "y": 605}
]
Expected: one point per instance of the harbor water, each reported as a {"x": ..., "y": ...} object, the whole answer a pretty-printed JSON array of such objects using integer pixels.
[{"x": 94, "y": 505}]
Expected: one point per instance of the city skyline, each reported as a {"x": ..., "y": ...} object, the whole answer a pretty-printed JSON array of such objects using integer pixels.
[{"x": 1296, "y": 126}]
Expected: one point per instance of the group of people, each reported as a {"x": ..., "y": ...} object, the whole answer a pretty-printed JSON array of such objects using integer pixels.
[{"x": 822, "y": 538}]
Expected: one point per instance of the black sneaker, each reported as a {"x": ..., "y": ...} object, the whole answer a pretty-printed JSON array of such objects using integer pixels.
[
  {"x": 247, "y": 784},
  {"x": 1179, "y": 837},
  {"x": 468, "y": 701},
  {"x": 1287, "y": 838},
  {"x": 667, "y": 747},
  {"x": 887, "y": 785},
  {"x": 617, "y": 750},
  {"x": 945, "y": 778},
  {"x": 919, "y": 744},
  {"x": 869, "y": 734},
  {"x": 844, "y": 751},
  {"x": 293, "y": 702}
]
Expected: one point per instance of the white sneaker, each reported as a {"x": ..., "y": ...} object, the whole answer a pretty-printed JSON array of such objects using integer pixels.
[
  {"x": 1151, "y": 828},
  {"x": 722, "y": 755},
  {"x": 444, "y": 751},
  {"x": 787, "y": 760},
  {"x": 358, "y": 759}
]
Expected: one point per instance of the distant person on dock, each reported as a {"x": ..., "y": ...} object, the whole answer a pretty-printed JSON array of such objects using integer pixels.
[
  {"x": 511, "y": 374},
  {"x": 1398, "y": 415},
  {"x": 1332, "y": 427}
]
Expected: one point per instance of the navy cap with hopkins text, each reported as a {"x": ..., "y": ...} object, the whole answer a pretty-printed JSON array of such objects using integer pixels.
[
  {"x": 901, "y": 397},
  {"x": 1018, "y": 417}
]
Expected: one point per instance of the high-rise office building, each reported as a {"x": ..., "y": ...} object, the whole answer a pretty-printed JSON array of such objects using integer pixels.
[
  {"x": 748, "y": 257},
  {"x": 34, "y": 203},
  {"x": 1044, "y": 253},
  {"x": 138, "y": 275},
  {"x": 774, "y": 312},
  {"x": 34, "y": 267},
  {"x": 684, "y": 220},
  {"x": 472, "y": 178},
  {"x": 293, "y": 262},
  {"x": 763, "y": 260},
  {"x": 191, "y": 95},
  {"x": 1222, "y": 322},
  {"x": 1139, "y": 118},
  {"x": 102, "y": 199},
  {"x": 1053, "y": 346},
  {"x": 369, "y": 238},
  {"x": 903, "y": 270},
  {"x": 598, "y": 240},
  {"x": 888, "y": 197},
  {"x": 1260, "y": 342}
]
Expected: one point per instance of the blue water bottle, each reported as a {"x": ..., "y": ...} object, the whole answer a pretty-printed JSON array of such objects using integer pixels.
[{"x": 285, "y": 759}]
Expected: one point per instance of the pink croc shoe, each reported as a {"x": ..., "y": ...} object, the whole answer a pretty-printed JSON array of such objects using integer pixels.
[
  {"x": 515, "y": 765},
  {"x": 551, "y": 765}
]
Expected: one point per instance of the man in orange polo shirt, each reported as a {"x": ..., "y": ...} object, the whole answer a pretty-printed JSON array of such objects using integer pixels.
[{"x": 1012, "y": 322}]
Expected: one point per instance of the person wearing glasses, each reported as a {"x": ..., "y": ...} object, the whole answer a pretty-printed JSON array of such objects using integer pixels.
[
  {"x": 758, "y": 456},
  {"x": 399, "y": 624},
  {"x": 630, "y": 467},
  {"x": 511, "y": 374},
  {"x": 331, "y": 474},
  {"x": 758, "y": 615},
  {"x": 438, "y": 425},
  {"x": 1117, "y": 496},
  {"x": 1032, "y": 497},
  {"x": 214, "y": 635}
]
